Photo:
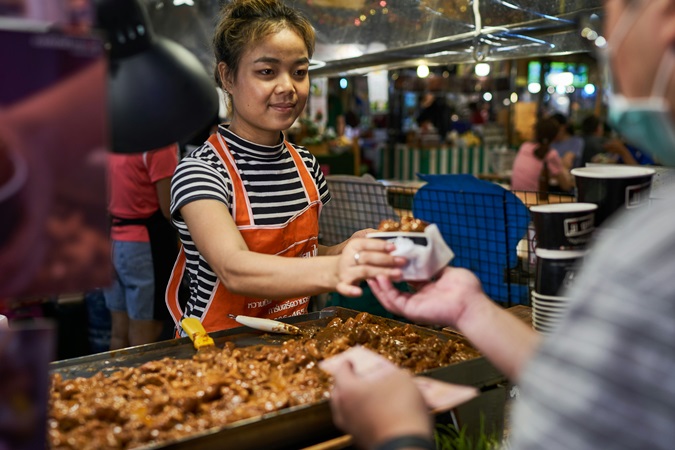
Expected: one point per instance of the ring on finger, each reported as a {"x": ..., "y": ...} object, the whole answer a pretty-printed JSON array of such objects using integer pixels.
[{"x": 357, "y": 257}]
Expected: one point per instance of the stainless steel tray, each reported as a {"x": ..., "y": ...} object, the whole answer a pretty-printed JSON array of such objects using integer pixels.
[{"x": 284, "y": 429}]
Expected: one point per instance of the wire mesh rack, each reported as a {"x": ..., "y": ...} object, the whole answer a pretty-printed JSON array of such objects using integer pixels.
[{"x": 487, "y": 226}]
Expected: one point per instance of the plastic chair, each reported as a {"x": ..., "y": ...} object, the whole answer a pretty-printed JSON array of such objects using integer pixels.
[{"x": 482, "y": 222}]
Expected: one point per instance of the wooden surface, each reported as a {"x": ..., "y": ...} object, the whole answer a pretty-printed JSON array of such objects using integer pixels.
[
  {"x": 533, "y": 198},
  {"x": 341, "y": 442},
  {"x": 522, "y": 312}
]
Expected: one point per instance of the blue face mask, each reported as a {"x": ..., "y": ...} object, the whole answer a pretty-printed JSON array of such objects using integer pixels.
[{"x": 646, "y": 122}]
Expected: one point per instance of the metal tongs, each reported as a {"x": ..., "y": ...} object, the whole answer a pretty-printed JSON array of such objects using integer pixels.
[{"x": 269, "y": 325}]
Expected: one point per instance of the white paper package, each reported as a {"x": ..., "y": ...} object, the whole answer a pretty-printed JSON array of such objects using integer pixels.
[{"x": 426, "y": 251}]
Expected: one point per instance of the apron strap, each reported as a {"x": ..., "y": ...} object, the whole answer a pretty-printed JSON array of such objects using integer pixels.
[{"x": 173, "y": 288}]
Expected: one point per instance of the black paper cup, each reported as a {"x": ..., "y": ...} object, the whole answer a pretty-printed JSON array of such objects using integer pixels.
[
  {"x": 613, "y": 188},
  {"x": 563, "y": 226},
  {"x": 556, "y": 270}
]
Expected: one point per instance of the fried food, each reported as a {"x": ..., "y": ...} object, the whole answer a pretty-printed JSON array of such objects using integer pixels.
[
  {"x": 170, "y": 398},
  {"x": 407, "y": 224}
]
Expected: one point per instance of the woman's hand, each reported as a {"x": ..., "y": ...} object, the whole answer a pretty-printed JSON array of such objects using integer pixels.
[
  {"x": 363, "y": 233},
  {"x": 362, "y": 405},
  {"x": 440, "y": 302},
  {"x": 337, "y": 249},
  {"x": 362, "y": 259}
]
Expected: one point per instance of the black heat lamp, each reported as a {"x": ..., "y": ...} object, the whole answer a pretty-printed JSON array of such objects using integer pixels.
[{"x": 159, "y": 92}]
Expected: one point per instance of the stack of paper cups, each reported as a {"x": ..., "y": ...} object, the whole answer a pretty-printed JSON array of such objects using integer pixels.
[{"x": 562, "y": 232}]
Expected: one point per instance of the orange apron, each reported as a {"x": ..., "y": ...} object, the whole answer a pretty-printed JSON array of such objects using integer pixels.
[{"x": 298, "y": 237}]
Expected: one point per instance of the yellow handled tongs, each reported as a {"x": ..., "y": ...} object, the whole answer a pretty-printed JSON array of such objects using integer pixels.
[{"x": 200, "y": 338}]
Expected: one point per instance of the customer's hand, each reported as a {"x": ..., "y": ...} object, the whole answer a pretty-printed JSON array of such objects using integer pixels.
[
  {"x": 376, "y": 407},
  {"x": 441, "y": 302},
  {"x": 362, "y": 259}
]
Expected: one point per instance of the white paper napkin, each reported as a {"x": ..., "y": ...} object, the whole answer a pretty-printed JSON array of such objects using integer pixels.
[{"x": 424, "y": 261}]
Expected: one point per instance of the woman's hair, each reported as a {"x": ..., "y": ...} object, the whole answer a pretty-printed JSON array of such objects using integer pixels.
[
  {"x": 545, "y": 131},
  {"x": 562, "y": 120},
  {"x": 243, "y": 22}
]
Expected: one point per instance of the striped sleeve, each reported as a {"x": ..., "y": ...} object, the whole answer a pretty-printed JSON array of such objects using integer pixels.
[
  {"x": 198, "y": 177},
  {"x": 604, "y": 379}
]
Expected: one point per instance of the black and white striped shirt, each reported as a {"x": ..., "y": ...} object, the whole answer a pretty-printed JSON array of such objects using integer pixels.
[
  {"x": 272, "y": 184},
  {"x": 605, "y": 379}
]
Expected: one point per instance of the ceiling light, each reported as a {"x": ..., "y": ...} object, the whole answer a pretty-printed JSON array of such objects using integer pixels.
[
  {"x": 534, "y": 88},
  {"x": 482, "y": 69},
  {"x": 422, "y": 71}
]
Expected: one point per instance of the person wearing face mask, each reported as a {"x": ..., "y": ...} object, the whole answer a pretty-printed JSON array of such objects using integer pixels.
[
  {"x": 246, "y": 203},
  {"x": 603, "y": 379}
]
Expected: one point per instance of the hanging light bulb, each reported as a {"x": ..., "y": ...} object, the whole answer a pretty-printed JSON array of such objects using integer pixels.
[
  {"x": 482, "y": 69},
  {"x": 422, "y": 71}
]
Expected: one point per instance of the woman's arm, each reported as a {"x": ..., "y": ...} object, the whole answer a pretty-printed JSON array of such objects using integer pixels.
[
  {"x": 337, "y": 249},
  {"x": 617, "y": 147},
  {"x": 275, "y": 277},
  {"x": 568, "y": 160},
  {"x": 559, "y": 171}
]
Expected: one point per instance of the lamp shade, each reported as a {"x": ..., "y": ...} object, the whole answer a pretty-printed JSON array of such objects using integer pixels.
[{"x": 159, "y": 92}]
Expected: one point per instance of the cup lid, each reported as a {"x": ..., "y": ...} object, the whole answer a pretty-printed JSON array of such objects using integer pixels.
[
  {"x": 564, "y": 207},
  {"x": 559, "y": 254},
  {"x": 611, "y": 171}
]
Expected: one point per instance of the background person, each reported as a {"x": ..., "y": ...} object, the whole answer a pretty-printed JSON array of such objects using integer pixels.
[
  {"x": 600, "y": 380},
  {"x": 598, "y": 148},
  {"x": 247, "y": 203},
  {"x": 569, "y": 147},
  {"x": 537, "y": 165},
  {"x": 433, "y": 117},
  {"x": 144, "y": 244}
]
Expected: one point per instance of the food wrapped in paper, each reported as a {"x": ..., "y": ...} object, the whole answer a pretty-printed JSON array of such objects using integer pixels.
[{"x": 426, "y": 251}]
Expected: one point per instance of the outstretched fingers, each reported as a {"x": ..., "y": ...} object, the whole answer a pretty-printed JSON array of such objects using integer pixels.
[{"x": 391, "y": 298}]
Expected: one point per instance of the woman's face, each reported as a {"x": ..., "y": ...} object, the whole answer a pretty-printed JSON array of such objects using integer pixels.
[{"x": 270, "y": 88}]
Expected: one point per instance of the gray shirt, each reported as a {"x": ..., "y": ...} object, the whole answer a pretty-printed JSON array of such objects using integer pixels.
[{"x": 606, "y": 378}]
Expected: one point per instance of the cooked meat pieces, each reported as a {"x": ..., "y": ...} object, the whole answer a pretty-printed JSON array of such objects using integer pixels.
[
  {"x": 172, "y": 398},
  {"x": 407, "y": 224}
]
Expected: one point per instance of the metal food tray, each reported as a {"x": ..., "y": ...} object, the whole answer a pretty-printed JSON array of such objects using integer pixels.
[{"x": 287, "y": 428}]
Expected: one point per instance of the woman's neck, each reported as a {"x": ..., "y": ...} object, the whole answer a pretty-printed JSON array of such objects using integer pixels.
[{"x": 269, "y": 138}]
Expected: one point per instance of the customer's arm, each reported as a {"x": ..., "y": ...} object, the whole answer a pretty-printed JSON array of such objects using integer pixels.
[
  {"x": 457, "y": 299},
  {"x": 617, "y": 147}
]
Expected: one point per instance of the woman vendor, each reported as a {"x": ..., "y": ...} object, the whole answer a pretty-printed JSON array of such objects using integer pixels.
[{"x": 247, "y": 202}]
